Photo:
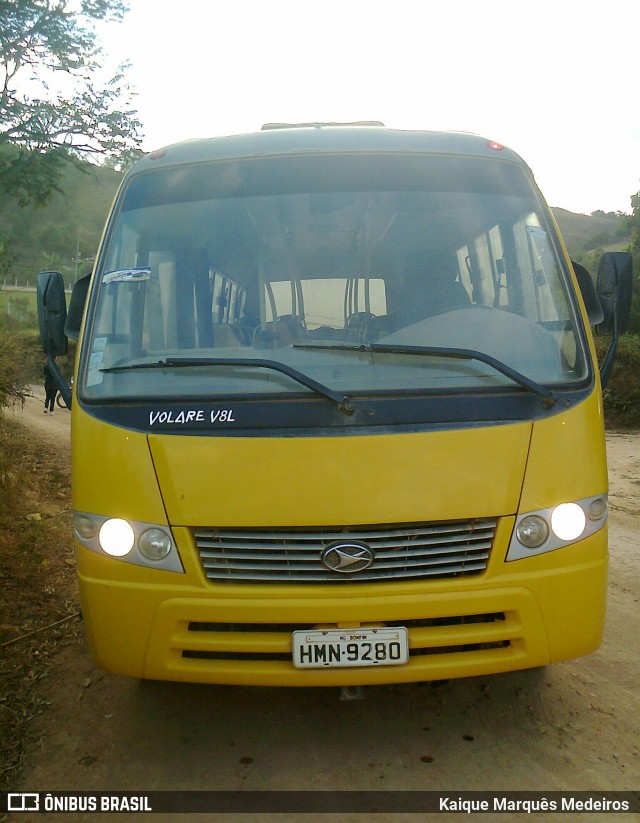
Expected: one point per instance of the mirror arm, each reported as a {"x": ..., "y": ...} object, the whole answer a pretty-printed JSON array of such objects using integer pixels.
[{"x": 61, "y": 382}]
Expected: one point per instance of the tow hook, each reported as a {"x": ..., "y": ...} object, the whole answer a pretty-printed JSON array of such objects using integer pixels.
[{"x": 351, "y": 692}]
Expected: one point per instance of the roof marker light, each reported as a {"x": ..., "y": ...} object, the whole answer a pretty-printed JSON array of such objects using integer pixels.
[{"x": 496, "y": 146}]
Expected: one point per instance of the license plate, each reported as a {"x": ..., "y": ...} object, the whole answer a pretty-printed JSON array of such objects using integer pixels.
[{"x": 340, "y": 648}]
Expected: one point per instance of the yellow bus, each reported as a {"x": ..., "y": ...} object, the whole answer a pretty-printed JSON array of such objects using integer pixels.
[{"x": 337, "y": 414}]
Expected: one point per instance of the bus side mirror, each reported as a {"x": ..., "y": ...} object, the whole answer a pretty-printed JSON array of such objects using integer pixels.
[
  {"x": 76, "y": 307},
  {"x": 589, "y": 294},
  {"x": 614, "y": 287},
  {"x": 52, "y": 312},
  {"x": 52, "y": 317}
]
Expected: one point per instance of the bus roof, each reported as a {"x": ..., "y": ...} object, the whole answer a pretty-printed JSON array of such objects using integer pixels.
[{"x": 320, "y": 138}]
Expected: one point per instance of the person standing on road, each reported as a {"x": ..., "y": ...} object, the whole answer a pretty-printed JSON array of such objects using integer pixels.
[{"x": 50, "y": 390}]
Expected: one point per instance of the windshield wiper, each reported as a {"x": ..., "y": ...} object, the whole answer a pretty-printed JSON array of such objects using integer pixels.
[
  {"x": 442, "y": 351},
  {"x": 343, "y": 403}
]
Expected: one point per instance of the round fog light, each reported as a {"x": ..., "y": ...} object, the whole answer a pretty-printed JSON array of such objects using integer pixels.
[
  {"x": 568, "y": 521},
  {"x": 116, "y": 537},
  {"x": 154, "y": 544},
  {"x": 532, "y": 531}
]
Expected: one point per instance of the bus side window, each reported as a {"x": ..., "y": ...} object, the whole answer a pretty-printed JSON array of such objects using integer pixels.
[
  {"x": 489, "y": 268},
  {"x": 230, "y": 326},
  {"x": 160, "y": 309}
]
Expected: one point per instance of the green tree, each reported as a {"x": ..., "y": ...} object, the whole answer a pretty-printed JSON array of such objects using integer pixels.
[{"x": 40, "y": 41}]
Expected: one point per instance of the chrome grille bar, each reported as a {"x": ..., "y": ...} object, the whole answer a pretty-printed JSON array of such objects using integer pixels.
[{"x": 415, "y": 551}]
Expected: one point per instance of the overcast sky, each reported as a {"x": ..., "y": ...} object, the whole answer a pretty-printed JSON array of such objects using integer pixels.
[{"x": 556, "y": 80}]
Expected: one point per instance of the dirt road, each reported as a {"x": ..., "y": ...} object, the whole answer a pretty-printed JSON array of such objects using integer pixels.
[
  {"x": 573, "y": 726},
  {"x": 54, "y": 427}
]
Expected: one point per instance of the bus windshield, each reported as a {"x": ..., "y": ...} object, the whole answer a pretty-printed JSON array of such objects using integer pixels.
[{"x": 309, "y": 261}]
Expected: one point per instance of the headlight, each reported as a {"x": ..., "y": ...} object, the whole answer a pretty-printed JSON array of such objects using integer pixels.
[
  {"x": 154, "y": 544},
  {"x": 598, "y": 509},
  {"x": 568, "y": 521},
  {"x": 142, "y": 544},
  {"x": 84, "y": 527},
  {"x": 116, "y": 537},
  {"x": 532, "y": 531},
  {"x": 549, "y": 529}
]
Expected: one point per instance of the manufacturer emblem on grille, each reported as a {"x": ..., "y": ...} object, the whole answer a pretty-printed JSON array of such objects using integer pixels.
[{"x": 347, "y": 558}]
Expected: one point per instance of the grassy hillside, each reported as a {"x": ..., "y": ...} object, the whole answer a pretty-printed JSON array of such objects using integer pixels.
[
  {"x": 584, "y": 233},
  {"x": 64, "y": 233},
  {"x": 18, "y": 308}
]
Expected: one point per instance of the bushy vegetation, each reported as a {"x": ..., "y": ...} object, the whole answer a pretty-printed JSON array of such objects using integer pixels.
[
  {"x": 622, "y": 395},
  {"x": 20, "y": 361}
]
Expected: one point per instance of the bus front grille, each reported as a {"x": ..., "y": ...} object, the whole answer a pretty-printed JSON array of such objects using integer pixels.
[{"x": 396, "y": 552}]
